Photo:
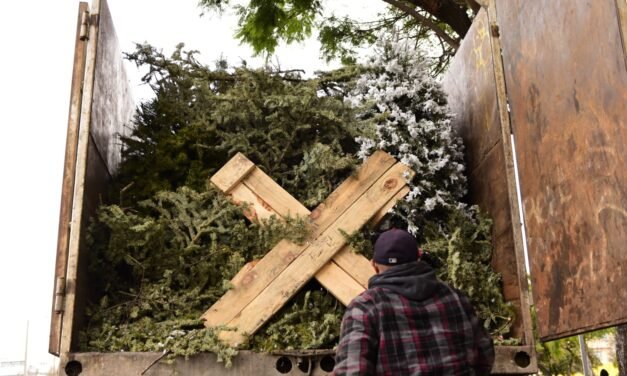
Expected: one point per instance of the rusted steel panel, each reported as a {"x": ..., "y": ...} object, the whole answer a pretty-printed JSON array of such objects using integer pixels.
[
  {"x": 567, "y": 87},
  {"x": 469, "y": 83},
  {"x": 113, "y": 105},
  {"x": 245, "y": 364},
  {"x": 488, "y": 189},
  {"x": 70, "y": 293},
  {"x": 111, "y": 113},
  {"x": 509, "y": 360},
  {"x": 621, "y": 10},
  {"x": 106, "y": 109},
  {"x": 96, "y": 181},
  {"x": 474, "y": 98},
  {"x": 471, "y": 91},
  {"x": 67, "y": 189}
]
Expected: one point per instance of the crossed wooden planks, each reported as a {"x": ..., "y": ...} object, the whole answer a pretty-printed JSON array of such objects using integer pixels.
[
  {"x": 347, "y": 274},
  {"x": 262, "y": 288}
]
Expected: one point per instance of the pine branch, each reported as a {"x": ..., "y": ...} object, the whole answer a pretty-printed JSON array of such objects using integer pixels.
[{"x": 425, "y": 21}]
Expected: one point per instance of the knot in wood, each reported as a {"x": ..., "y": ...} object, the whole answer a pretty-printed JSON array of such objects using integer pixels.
[
  {"x": 317, "y": 211},
  {"x": 249, "y": 278},
  {"x": 390, "y": 183}
]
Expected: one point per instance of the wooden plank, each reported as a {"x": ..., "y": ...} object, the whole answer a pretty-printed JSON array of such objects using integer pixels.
[
  {"x": 67, "y": 190},
  {"x": 387, "y": 207},
  {"x": 256, "y": 208},
  {"x": 285, "y": 252},
  {"x": 232, "y": 172},
  {"x": 250, "y": 283},
  {"x": 268, "y": 197},
  {"x": 273, "y": 195},
  {"x": 315, "y": 256},
  {"x": 354, "y": 186},
  {"x": 354, "y": 264},
  {"x": 242, "y": 272},
  {"x": 357, "y": 266},
  {"x": 259, "y": 209},
  {"x": 339, "y": 283}
]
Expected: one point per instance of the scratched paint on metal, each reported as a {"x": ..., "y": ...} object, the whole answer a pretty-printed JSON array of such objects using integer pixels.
[
  {"x": 471, "y": 90},
  {"x": 469, "y": 83},
  {"x": 567, "y": 86}
]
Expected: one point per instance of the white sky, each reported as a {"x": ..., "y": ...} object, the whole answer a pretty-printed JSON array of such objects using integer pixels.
[{"x": 37, "y": 45}]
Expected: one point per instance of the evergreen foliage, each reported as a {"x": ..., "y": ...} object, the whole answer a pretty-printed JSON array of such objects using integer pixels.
[
  {"x": 463, "y": 248},
  {"x": 157, "y": 271},
  {"x": 312, "y": 321},
  {"x": 167, "y": 251},
  {"x": 201, "y": 117},
  {"x": 563, "y": 356},
  {"x": 403, "y": 111},
  {"x": 438, "y": 25}
]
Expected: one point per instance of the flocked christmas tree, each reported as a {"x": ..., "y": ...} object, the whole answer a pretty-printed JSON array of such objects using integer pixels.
[
  {"x": 403, "y": 110},
  {"x": 166, "y": 250}
]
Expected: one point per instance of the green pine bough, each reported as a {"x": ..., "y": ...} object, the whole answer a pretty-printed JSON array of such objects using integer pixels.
[{"x": 167, "y": 245}]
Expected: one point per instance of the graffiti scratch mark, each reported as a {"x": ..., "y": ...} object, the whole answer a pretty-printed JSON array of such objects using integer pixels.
[{"x": 480, "y": 61}]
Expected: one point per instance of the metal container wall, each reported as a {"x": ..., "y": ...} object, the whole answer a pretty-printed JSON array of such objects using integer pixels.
[
  {"x": 476, "y": 99},
  {"x": 567, "y": 87},
  {"x": 101, "y": 110}
]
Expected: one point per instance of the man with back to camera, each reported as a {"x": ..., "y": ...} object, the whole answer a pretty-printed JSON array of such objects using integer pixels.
[{"x": 408, "y": 322}]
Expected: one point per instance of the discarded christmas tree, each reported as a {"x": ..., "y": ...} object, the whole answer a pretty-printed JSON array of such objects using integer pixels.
[{"x": 170, "y": 245}]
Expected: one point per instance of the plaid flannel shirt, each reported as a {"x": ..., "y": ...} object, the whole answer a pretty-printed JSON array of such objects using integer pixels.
[{"x": 385, "y": 333}]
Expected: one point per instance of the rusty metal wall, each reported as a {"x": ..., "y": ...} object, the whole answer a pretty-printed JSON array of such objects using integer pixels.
[
  {"x": 67, "y": 188},
  {"x": 113, "y": 105},
  {"x": 509, "y": 360},
  {"x": 473, "y": 96},
  {"x": 106, "y": 109},
  {"x": 111, "y": 114},
  {"x": 246, "y": 363},
  {"x": 567, "y": 87}
]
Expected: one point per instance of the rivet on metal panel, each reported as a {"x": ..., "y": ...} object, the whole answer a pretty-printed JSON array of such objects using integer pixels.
[{"x": 84, "y": 34}]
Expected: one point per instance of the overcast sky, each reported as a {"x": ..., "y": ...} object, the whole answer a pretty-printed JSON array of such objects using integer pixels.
[{"x": 37, "y": 43}]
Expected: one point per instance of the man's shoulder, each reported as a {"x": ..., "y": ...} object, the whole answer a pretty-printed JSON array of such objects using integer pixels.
[{"x": 367, "y": 298}]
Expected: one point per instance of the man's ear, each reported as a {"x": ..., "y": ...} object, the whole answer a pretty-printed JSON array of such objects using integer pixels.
[{"x": 374, "y": 266}]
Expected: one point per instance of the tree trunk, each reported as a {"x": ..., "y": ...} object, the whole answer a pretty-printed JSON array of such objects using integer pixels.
[
  {"x": 447, "y": 11},
  {"x": 621, "y": 349}
]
